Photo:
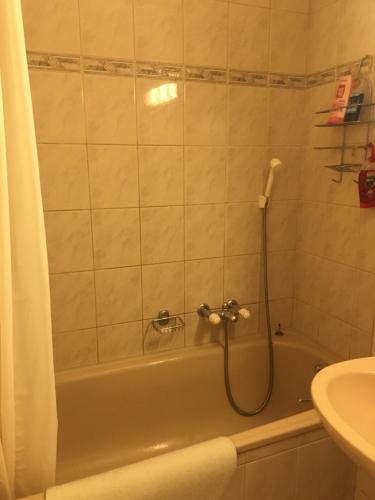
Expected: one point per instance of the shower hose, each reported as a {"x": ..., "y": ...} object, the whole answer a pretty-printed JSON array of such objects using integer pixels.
[{"x": 264, "y": 403}]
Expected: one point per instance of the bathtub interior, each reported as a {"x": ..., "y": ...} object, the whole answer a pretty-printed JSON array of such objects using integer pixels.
[{"x": 129, "y": 411}]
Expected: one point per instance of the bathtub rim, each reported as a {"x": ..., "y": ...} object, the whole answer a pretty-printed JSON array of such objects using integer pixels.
[{"x": 291, "y": 338}]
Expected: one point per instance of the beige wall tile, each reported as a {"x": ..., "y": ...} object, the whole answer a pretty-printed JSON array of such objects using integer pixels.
[
  {"x": 272, "y": 478},
  {"x": 118, "y": 295},
  {"x": 288, "y": 42},
  {"x": 72, "y": 301},
  {"x": 342, "y": 228},
  {"x": 288, "y": 179},
  {"x": 161, "y": 175},
  {"x": 163, "y": 288},
  {"x": 328, "y": 338},
  {"x": 281, "y": 274},
  {"x": 203, "y": 283},
  {"x": 158, "y": 30},
  {"x": 69, "y": 241},
  {"x": 293, "y": 5},
  {"x": 159, "y": 111},
  {"x": 241, "y": 278},
  {"x": 75, "y": 349},
  {"x": 204, "y": 226},
  {"x": 51, "y": 25},
  {"x": 282, "y": 225},
  {"x": 116, "y": 237},
  {"x": 364, "y": 301},
  {"x": 307, "y": 278},
  {"x": 333, "y": 472},
  {"x": 365, "y": 259},
  {"x": 243, "y": 227},
  {"x": 323, "y": 38},
  {"x": 306, "y": 319},
  {"x": 205, "y": 169},
  {"x": 107, "y": 28},
  {"x": 162, "y": 234},
  {"x": 58, "y": 106},
  {"x": 110, "y": 109},
  {"x": 120, "y": 341},
  {"x": 248, "y": 37},
  {"x": 205, "y": 32},
  {"x": 113, "y": 176},
  {"x": 337, "y": 290},
  {"x": 290, "y": 126},
  {"x": 199, "y": 331},
  {"x": 245, "y": 173},
  {"x": 64, "y": 176},
  {"x": 360, "y": 344},
  {"x": 356, "y": 35},
  {"x": 205, "y": 114},
  {"x": 248, "y": 116}
]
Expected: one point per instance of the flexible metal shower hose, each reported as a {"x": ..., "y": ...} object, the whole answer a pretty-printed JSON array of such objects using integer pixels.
[{"x": 262, "y": 406}]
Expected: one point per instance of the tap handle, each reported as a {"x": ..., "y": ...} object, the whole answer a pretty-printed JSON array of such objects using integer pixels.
[{"x": 245, "y": 313}]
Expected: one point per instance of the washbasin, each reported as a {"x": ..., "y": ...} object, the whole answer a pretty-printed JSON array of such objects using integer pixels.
[{"x": 344, "y": 396}]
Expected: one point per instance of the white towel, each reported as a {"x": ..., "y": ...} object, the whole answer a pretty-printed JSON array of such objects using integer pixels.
[{"x": 199, "y": 472}]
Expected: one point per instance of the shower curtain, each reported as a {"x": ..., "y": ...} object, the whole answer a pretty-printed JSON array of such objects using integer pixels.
[{"x": 28, "y": 426}]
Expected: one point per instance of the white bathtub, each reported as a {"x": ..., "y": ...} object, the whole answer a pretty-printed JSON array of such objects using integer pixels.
[{"x": 115, "y": 414}]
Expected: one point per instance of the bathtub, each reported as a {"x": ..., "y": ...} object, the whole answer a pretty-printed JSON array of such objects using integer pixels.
[{"x": 123, "y": 412}]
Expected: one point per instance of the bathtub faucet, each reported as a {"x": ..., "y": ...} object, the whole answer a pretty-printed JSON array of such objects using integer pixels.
[{"x": 232, "y": 311}]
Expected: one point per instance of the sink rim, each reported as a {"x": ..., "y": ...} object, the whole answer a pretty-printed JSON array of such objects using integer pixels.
[{"x": 345, "y": 432}]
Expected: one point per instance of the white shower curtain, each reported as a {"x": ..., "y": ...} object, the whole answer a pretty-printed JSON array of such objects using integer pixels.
[{"x": 27, "y": 391}]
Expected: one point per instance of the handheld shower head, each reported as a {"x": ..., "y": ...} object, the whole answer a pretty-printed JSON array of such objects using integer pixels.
[{"x": 275, "y": 164}]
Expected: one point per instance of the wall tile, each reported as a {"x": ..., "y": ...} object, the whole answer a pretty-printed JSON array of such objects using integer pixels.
[
  {"x": 243, "y": 228},
  {"x": 72, "y": 301},
  {"x": 113, "y": 176},
  {"x": 120, "y": 341},
  {"x": 281, "y": 274},
  {"x": 69, "y": 241},
  {"x": 58, "y": 107},
  {"x": 158, "y": 30},
  {"x": 75, "y": 349},
  {"x": 116, "y": 237},
  {"x": 163, "y": 288},
  {"x": 293, "y": 5},
  {"x": 306, "y": 319},
  {"x": 110, "y": 109},
  {"x": 341, "y": 233},
  {"x": 241, "y": 278},
  {"x": 107, "y": 28},
  {"x": 365, "y": 259},
  {"x": 364, "y": 301},
  {"x": 328, "y": 338},
  {"x": 245, "y": 173},
  {"x": 118, "y": 295},
  {"x": 205, "y": 114},
  {"x": 51, "y": 25},
  {"x": 205, "y": 33},
  {"x": 64, "y": 176},
  {"x": 159, "y": 112},
  {"x": 161, "y": 175},
  {"x": 205, "y": 169},
  {"x": 198, "y": 331},
  {"x": 282, "y": 225},
  {"x": 288, "y": 42},
  {"x": 203, "y": 283},
  {"x": 162, "y": 234},
  {"x": 314, "y": 461},
  {"x": 323, "y": 36},
  {"x": 248, "y": 37},
  {"x": 289, "y": 127},
  {"x": 204, "y": 226},
  {"x": 287, "y": 186},
  {"x": 271, "y": 478},
  {"x": 248, "y": 112}
]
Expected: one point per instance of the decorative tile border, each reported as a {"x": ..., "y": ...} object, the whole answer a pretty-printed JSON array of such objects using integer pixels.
[
  {"x": 156, "y": 70},
  {"x": 287, "y": 81},
  {"x": 248, "y": 78},
  {"x": 206, "y": 74},
  {"x": 108, "y": 66},
  {"x": 60, "y": 62},
  {"x": 53, "y": 62}
]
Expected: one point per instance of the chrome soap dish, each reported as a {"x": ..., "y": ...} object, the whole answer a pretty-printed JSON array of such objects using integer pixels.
[{"x": 165, "y": 323}]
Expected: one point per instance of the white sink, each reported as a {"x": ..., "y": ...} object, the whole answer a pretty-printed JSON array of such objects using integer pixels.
[{"x": 344, "y": 397}]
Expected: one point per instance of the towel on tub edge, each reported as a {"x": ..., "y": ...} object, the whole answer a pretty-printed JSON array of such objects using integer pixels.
[{"x": 199, "y": 472}]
